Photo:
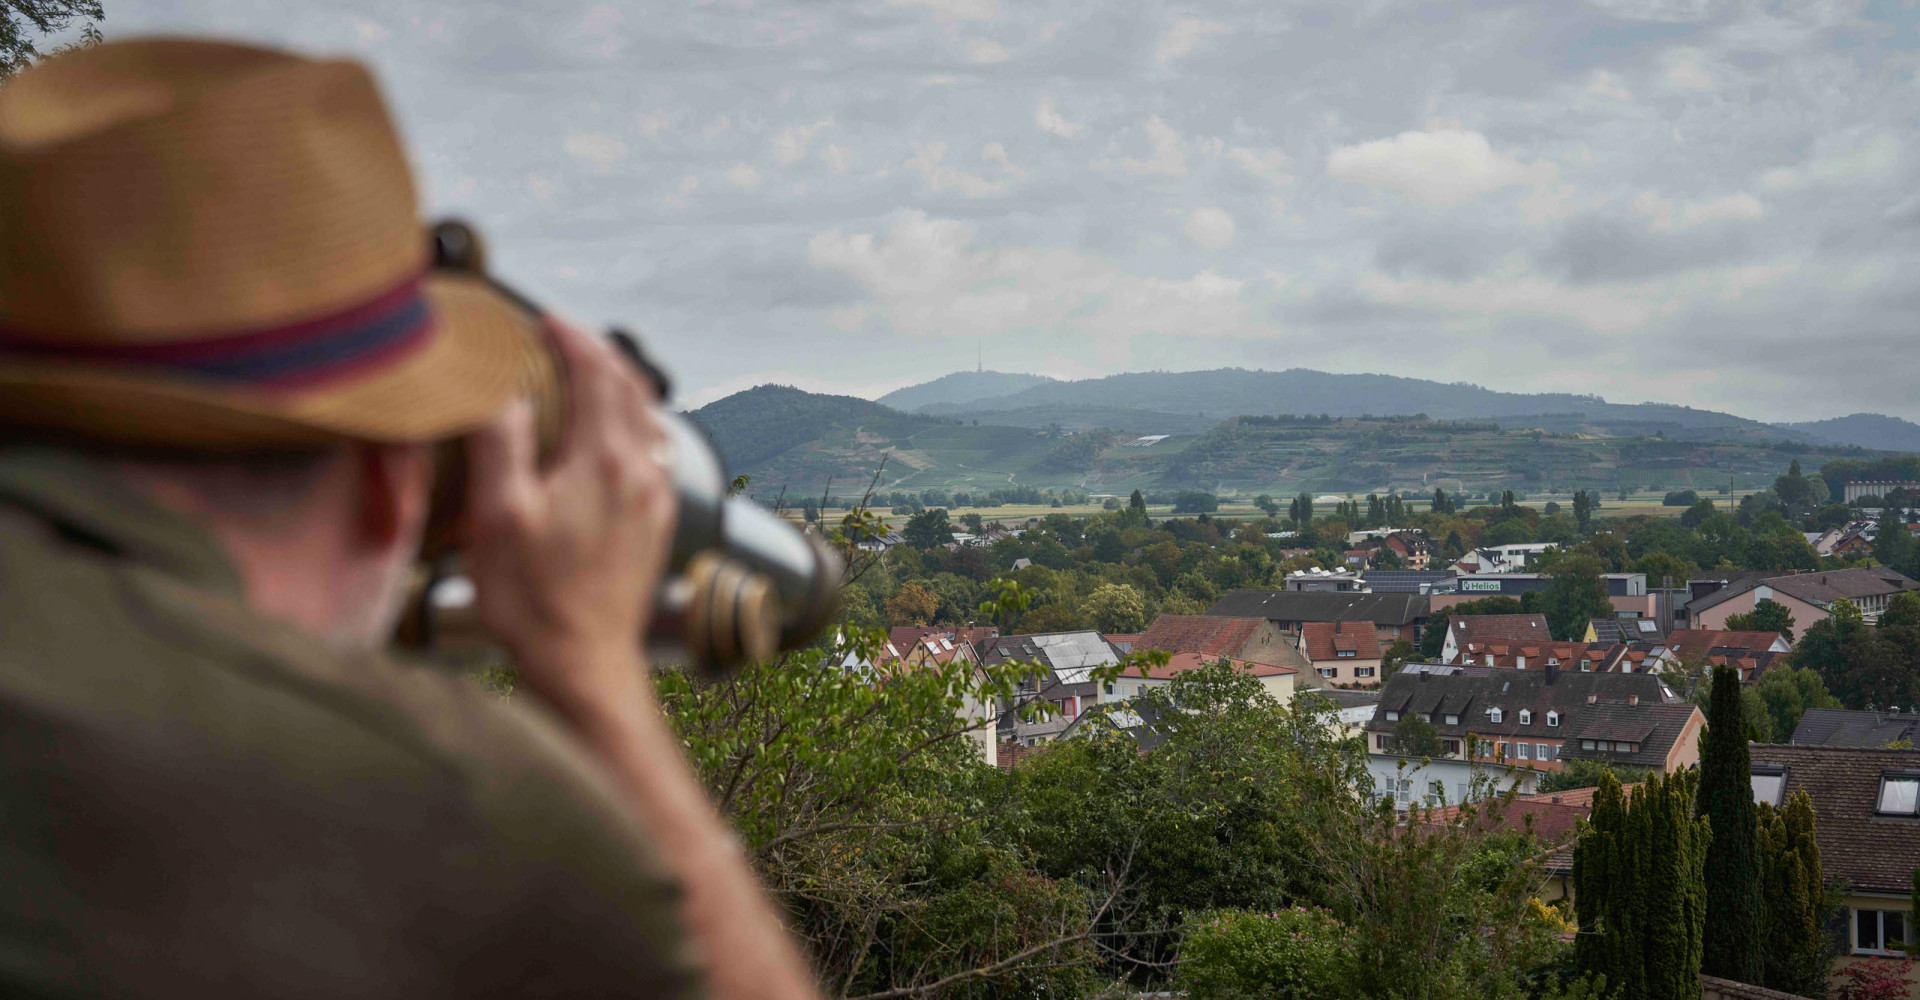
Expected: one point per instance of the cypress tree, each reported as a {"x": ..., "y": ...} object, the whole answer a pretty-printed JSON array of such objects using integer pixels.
[
  {"x": 1639, "y": 899},
  {"x": 1793, "y": 933},
  {"x": 1732, "y": 869}
]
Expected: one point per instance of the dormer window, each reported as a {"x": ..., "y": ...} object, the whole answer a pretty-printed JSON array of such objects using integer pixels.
[
  {"x": 1493, "y": 715},
  {"x": 1769, "y": 782},
  {"x": 1553, "y": 719},
  {"x": 1526, "y": 717},
  {"x": 1899, "y": 794},
  {"x": 1344, "y": 653},
  {"x": 1453, "y": 720},
  {"x": 1393, "y": 716}
]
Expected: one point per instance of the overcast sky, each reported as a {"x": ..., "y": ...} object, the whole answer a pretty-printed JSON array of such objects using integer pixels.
[{"x": 1687, "y": 201}]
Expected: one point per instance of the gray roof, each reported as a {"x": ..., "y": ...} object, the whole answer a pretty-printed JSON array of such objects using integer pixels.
[
  {"x": 1347, "y": 697},
  {"x": 1071, "y": 655},
  {"x": 1839, "y": 727},
  {"x": 1626, "y": 630},
  {"x": 1296, "y": 606},
  {"x": 1409, "y": 581},
  {"x": 1820, "y": 588},
  {"x": 1656, "y": 722}
]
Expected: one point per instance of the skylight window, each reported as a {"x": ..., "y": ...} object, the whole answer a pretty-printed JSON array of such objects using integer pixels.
[
  {"x": 1899, "y": 795},
  {"x": 1769, "y": 783}
]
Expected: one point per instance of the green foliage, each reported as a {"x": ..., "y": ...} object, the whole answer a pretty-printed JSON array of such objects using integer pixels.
[
  {"x": 1795, "y": 950},
  {"x": 22, "y": 20},
  {"x": 928, "y": 529},
  {"x": 1732, "y": 867},
  {"x": 1395, "y": 657},
  {"x": 1195, "y": 502},
  {"x": 1289, "y": 954},
  {"x": 1587, "y": 774},
  {"x": 1640, "y": 888},
  {"x": 1681, "y": 498},
  {"x": 1575, "y": 595},
  {"x": 1115, "y": 607},
  {"x": 1414, "y": 736},
  {"x": 1766, "y": 616},
  {"x": 1787, "y": 693}
]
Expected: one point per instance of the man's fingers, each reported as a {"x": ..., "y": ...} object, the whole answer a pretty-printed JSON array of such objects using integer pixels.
[{"x": 501, "y": 457}]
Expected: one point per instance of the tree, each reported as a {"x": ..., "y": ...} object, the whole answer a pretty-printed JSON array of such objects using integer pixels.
[
  {"x": 1700, "y": 511},
  {"x": 1115, "y": 607},
  {"x": 22, "y": 20},
  {"x": 912, "y": 604},
  {"x": 1639, "y": 870},
  {"x": 1894, "y": 545},
  {"x": 1793, "y": 914},
  {"x": 1584, "y": 504},
  {"x": 1681, "y": 498},
  {"x": 1586, "y": 774},
  {"x": 1575, "y": 594},
  {"x": 1395, "y": 657},
  {"x": 1766, "y": 616},
  {"x": 1442, "y": 504},
  {"x": 1302, "y": 510},
  {"x": 1266, "y": 505},
  {"x": 1195, "y": 502},
  {"x": 1726, "y": 803},
  {"x": 1414, "y": 736},
  {"x": 928, "y": 529},
  {"x": 1788, "y": 693}
]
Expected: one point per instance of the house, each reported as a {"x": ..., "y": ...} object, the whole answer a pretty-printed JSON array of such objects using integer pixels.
[
  {"x": 1500, "y": 558},
  {"x": 1394, "y": 616},
  {"x": 1069, "y": 659},
  {"x": 1853, "y": 490},
  {"x": 1852, "y": 545},
  {"x": 1320, "y": 581},
  {"x": 1357, "y": 558},
  {"x": 1627, "y": 591},
  {"x": 1807, "y": 596},
  {"x": 917, "y": 647},
  {"x": 1512, "y": 725},
  {"x": 1140, "y": 722},
  {"x": 1122, "y": 641},
  {"x": 1478, "y": 630},
  {"x": 1410, "y": 581},
  {"x": 1255, "y": 639},
  {"x": 1354, "y": 707},
  {"x": 1578, "y": 657},
  {"x": 1868, "y": 829},
  {"x": 1622, "y": 630},
  {"x": 1751, "y": 652},
  {"x": 1411, "y": 546},
  {"x": 1840, "y": 727},
  {"x": 1342, "y": 652}
]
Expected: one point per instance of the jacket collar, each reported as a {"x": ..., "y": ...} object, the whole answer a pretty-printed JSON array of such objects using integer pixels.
[{"x": 88, "y": 502}]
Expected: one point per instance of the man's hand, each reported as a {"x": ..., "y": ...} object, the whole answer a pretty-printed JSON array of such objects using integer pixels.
[{"x": 567, "y": 559}]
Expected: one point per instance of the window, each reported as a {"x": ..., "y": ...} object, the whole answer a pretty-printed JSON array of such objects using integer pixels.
[
  {"x": 1500, "y": 749},
  {"x": 1553, "y": 720},
  {"x": 1453, "y": 720},
  {"x": 1899, "y": 794},
  {"x": 1453, "y": 747},
  {"x": 1493, "y": 715},
  {"x": 1344, "y": 653},
  {"x": 1428, "y": 716},
  {"x": 1109, "y": 688},
  {"x": 1393, "y": 716},
  {"x": 1404, "y": 792},
  {"x": 1437, "y": 791},
  {"x": 1878, "y": 932},
  {"x": 1769, "y": 780},
  {"x": 1586, "y": 666},
  {"x": 1542, "y": 751},
  {"x": 1526, "y": 717},
  {"x": 1326, "y": 671},
  {"x": 1586, "y": 744},
  {"x": 1523, "y": 751},
  {"x": 1363, "y": 671},
  {"x": 1379, "y": 742}
]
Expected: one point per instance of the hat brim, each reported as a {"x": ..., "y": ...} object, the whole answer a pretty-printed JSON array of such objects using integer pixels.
[{"x": 481, "y": 349}]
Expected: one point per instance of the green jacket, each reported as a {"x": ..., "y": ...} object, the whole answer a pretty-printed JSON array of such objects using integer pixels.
[{"x": 199, "y": 802}]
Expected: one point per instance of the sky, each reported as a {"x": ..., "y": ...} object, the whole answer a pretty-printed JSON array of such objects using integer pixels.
[{"x": 1686, "y": 201}]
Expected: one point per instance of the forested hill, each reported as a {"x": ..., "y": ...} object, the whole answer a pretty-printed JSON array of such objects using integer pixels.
[
  {"x": 1220, "y": 393},
  {"x": 1868, "y": 430},
  {"x": 961, "y": 388},
  {"x": 754, "y": 427}
]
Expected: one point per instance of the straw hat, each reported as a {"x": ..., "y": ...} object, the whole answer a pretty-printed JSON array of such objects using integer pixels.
[{"x": 217, "y": 247}]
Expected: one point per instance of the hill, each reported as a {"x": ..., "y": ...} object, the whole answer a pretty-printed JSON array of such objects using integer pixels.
[
  {"x": 961, "y": 388},
  {"x": 1220, "y": 393},
  {"x": 800, "y": 441},
  {"x": 1866, "y": 430}
]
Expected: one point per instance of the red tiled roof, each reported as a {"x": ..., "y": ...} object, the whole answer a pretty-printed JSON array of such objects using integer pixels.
[
  {"x": 1008, "y": 756},
  {"x": 1180, "y": 663},
  {"x": 1569, "y": 654},
  {"x": 1326, "y": 640},
  {"x": 1696, "y": 641},
  {"x": 1498, "y": 628},
  {"x": 1213, "y": 635}
]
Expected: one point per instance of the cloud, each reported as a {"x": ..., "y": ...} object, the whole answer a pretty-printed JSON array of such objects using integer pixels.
[
  {"x": 926, "y": 161},
  {"x": 1262, "y": 163},
  {"x": 1210, "y": 227},
  {"x": 1605, "y": 84},
  {"x": 652, "y": 123},
  {"x": 986, "y": 51},
  {"x": 954, "y": 10},
  {"x": 1052, "y": 122},
  {"x": 1168, "y": 157},
  {"x": 1669, "y": 11},
  {"x": 601, "y": 25},
  {"x": 597, "y": 150},
  {"x": 994, "y": 152},
  {"x": 1600, "y": 309},
  {"x": 926, "y": 279},
  {"x": 1180, "y": 40},
  {"x": 790, "y": 144},
  {"x": 1664, "y": 216},
  {"x": 837, "y": 158},
  {"x": 1443, "y": 167},
  {"x": 742, "y": 175}
]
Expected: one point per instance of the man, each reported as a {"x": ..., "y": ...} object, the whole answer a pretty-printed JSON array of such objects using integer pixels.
[{"x": 222, "y": 372}]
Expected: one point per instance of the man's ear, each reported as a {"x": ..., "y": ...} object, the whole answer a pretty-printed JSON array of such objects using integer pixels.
[{"x": 396, "y": 482}]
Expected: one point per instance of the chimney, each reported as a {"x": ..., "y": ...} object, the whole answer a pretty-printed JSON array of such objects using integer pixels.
[
  {"x": 1633, "y": 700},
  {"x": 1424, "y": 675},
  {"x": 1553, "y": 670}
]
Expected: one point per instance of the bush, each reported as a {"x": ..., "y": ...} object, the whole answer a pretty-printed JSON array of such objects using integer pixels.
[
  {"x": 1237, "y": 955},
  {"x": 1681, "y": 498},
  {"x": 1195, "y": 502}
]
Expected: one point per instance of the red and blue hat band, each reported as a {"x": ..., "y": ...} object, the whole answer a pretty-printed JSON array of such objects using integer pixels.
[{"x": 294, "y": 355}]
